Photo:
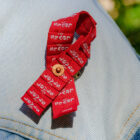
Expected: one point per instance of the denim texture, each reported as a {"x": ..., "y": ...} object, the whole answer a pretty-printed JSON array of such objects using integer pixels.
[{"x": 108, "y": 89}]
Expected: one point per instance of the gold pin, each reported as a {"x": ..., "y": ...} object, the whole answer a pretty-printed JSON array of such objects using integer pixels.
[{"x": 58, "y": 69}]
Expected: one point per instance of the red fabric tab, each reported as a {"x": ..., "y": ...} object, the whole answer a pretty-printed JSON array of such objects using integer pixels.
[
  {"x": 58, "y": 38},
  {"x": 38, "y": 97},
  {"x": 91, "y": 36},
  {"x": 50, "y": 59},
  {"x": 66, "y": 102},
  {"x": 56, "y": 49},
  {"x": 71, "y": 66},
  {"x": 86, "y": 49},
  {"x": 63, "y": 26},
  {"x": 52, "y": 80},
  {"x": 78, "y": 56},
  {"x": 58, "y": 112},
  {"x": 45, "y": 88},
  {"x": 69, "y": 91},
  {"x": 31, "y": 104}
]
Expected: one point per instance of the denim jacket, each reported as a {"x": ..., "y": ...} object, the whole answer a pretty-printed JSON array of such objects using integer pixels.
[{"x": 108, "y": 90}]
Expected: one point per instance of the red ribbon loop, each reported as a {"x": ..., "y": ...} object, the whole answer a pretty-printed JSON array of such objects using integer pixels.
[{"x": 60, "y": 90}]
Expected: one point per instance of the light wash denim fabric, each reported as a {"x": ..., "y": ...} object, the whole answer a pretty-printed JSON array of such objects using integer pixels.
[{"x": 108, "y": 90}]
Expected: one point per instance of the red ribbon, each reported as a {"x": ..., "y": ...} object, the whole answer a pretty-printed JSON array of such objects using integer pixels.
[{"x": 61, "y": 91}]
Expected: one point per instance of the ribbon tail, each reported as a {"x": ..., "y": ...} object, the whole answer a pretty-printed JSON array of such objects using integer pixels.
[{"x": 66, "y": 102}]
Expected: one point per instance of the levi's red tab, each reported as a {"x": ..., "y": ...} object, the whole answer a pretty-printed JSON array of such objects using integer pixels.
[
  {"x": 31, "y": 104},
  {"x": 64, "y": 59},
  {"x": 45, "y": 88},
  {"x": 69, "y": 91},
  {"x": 58, "y": 112},
  {"x": 38, "y": 97},
  {"x": 56, "y": 49},
  {"x": 59, "y": 38},
  {"x": 71, "y": 66},
  {"x": 66, "y": 102},
  {"x": 86, "y": 49},
  {"x": 52, "y": 80},
  {"x": 78, "y": 56},
  {"x": 63, "y": 26},
  {"x": 91, "y": 36}
]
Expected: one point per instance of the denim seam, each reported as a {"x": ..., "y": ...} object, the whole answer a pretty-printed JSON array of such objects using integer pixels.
[
  {"x": 133, "y": 130},
  {"x": 18, "y": 132},
  {"x": 130, "y": 117},
  {"x": 41, "y": 130}
]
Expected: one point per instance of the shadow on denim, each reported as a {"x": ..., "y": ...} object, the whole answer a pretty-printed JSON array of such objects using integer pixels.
[{"x": 136, "y": 136}]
